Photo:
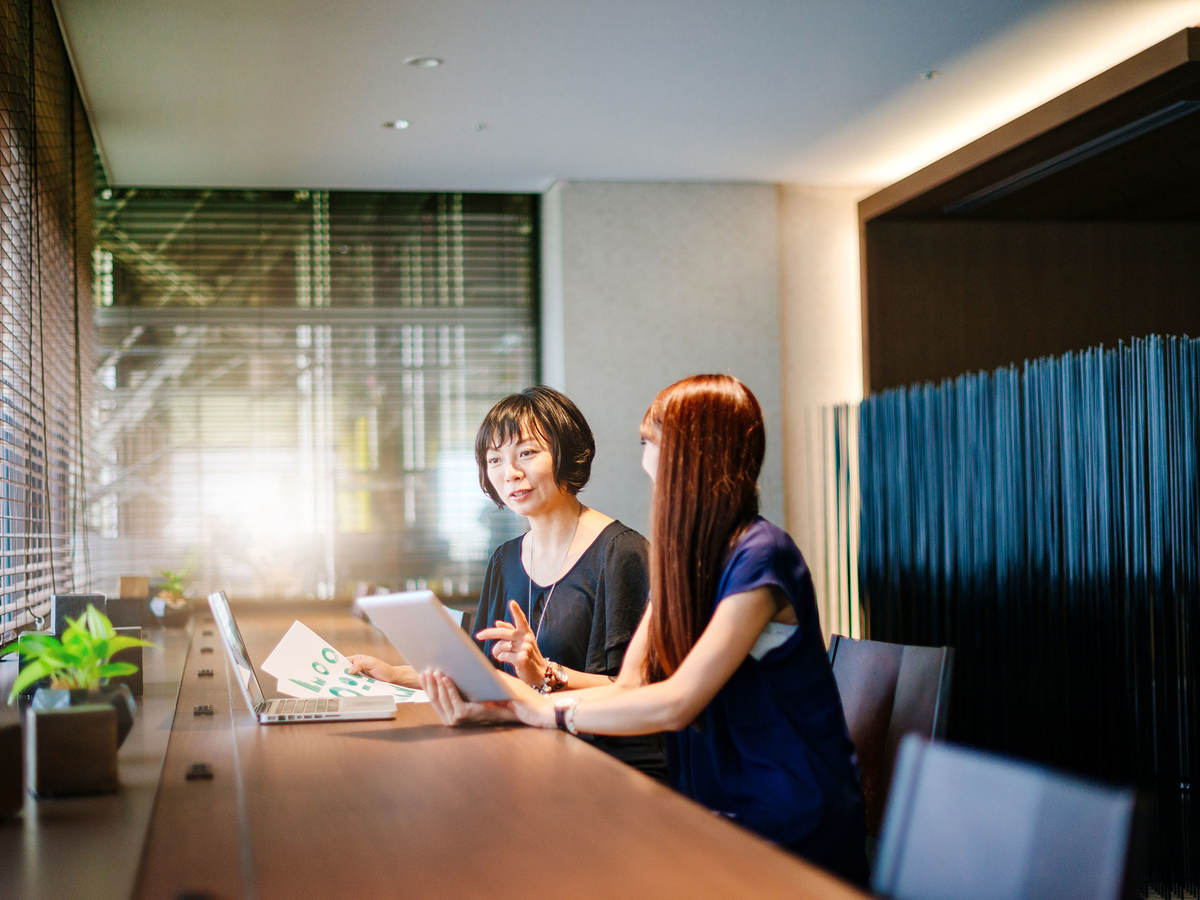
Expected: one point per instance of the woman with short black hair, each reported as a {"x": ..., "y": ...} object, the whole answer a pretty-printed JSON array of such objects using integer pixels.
[{"x": 559, "y": 604}]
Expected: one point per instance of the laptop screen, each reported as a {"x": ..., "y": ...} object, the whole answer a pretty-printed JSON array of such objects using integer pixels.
[{"x": 236, "y": 649}]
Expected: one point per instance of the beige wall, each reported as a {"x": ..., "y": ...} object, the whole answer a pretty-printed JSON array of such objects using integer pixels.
[
  {"x": 652, "y": 282},
  {"x": 819, "y": 295},
  {"x": 646, "y": 283},
  {"x": 821, "y": 362}
]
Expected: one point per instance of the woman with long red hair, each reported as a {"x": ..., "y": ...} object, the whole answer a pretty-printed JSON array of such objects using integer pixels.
[{"x": 728, "y": 658}]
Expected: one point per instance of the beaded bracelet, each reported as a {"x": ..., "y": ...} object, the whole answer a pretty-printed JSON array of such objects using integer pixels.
[{"x": 554, "y": 678}]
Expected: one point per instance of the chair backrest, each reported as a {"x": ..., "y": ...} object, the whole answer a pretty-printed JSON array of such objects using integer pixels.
[
  {"x": 888, "y": 691},
  {"x": 963, "y": 823}
]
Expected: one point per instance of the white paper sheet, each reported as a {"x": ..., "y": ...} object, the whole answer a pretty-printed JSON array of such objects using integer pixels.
[{"x": 306, "y": 665}]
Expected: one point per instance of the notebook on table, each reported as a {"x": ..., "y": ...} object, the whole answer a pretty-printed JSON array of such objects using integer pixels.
[{"x": 275, "y": 710}]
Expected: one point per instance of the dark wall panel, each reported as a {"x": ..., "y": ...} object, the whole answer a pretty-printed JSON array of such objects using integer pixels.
[{"x": 951, "y": 297}]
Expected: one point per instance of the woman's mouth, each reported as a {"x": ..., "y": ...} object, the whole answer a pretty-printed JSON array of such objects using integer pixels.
[{"x": 518, "y": 496}]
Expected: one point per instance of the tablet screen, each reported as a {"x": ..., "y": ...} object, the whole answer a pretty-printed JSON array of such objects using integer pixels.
[{"x": 416, "y": 624}]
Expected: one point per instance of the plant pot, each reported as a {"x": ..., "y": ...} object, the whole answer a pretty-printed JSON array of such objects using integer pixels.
[
  {"x": 71, "y": 750},
  {"x": 117, "y": 696},
  {"x": 12, "y": 794},
  {"x": 171, "y": 613}
]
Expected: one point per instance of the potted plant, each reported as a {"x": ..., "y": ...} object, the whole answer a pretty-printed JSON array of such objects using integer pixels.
[
  {"x": 169, "y": 604},
  {"x": 78, "y": 666},
  {"x": 74, "y": 727}
]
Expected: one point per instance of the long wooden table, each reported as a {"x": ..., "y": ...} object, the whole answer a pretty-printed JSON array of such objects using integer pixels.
[{"x": 411, "y": 808}]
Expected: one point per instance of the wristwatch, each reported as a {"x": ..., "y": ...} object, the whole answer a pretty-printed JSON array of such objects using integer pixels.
[{"x": 564, "y": 714}]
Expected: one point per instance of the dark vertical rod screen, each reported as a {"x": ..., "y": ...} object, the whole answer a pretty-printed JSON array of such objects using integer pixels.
[{"x": 1043, "y": 520}]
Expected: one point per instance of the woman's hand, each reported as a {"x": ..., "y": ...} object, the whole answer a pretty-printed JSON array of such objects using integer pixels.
[
  {"x": 517, "y": 646},
  {"x": 528, "y": 705},
  {"x": 453, "y": 710},
  {"x": 372, "y": 667}
]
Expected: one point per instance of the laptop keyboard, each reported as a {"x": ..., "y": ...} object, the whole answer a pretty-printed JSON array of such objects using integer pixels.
[{"x": 304, "y": 707}]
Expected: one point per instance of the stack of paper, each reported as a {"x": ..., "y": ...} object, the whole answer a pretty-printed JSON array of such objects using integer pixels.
[{"x": 307, "y": 665}]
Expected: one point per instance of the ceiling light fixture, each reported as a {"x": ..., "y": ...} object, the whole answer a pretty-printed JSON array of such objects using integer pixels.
[
  {"x": 424, "y": 62},
  {"x": 398, "y": 124}
]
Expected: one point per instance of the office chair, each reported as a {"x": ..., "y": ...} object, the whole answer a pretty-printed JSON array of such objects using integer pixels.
[
  {"x": 888, "y": 691},
  {"x": 963, "y": 823}
]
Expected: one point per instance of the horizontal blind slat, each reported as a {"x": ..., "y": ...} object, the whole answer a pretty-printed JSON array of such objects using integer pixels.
[{"x": 299, "y": 375}]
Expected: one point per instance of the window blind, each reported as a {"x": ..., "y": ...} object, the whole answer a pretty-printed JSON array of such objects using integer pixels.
[
  {"x": 289, "y": 384},
  {"x": 45, "y": 213}
]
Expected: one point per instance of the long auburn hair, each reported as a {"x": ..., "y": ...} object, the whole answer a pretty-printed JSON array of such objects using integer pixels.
[{"x": 710, "y": 437}]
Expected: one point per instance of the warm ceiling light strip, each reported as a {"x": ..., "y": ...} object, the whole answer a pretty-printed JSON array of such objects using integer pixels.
[{"x": 1068, "y": 158}]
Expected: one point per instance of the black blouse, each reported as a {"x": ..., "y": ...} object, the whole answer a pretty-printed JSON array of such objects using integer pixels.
[{"x": 588, "y": 621}]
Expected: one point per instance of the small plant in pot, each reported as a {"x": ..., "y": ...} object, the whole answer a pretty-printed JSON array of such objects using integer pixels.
[
  {"x": 78, "y": 666},
  {"x": 169, "y": 604},
  {"x": 74, "y": 726}
]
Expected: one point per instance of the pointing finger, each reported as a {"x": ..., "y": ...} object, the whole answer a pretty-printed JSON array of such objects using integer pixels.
[
  {"x": 518, "y": 617},
  {"x": 495, "y": 634}
]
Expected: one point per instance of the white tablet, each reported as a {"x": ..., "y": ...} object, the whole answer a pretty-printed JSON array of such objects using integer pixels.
[{"x": 416, "y": 624}]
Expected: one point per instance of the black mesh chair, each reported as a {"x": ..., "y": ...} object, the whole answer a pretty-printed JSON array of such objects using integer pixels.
[
  {"x": 888, "y": 691},
  {"x": 963, "y": 823}
]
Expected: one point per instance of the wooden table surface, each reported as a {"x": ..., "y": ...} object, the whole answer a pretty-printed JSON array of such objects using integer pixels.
[{"x": 411, "y": 808}]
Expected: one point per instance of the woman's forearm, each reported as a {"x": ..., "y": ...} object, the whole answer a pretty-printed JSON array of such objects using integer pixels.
[
  {"x": 617, "y": 710},
  {"x": 577, "y": 680},
  {"x": 673, "y": 703},
  {"x": 405, "y": 676}
]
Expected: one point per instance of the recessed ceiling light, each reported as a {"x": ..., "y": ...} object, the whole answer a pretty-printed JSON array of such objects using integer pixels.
[
  {"x": 423, "y": 62},
  {"x": 398, "y": 124}
]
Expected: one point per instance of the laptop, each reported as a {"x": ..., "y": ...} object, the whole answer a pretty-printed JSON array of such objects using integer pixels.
[{"x": 287, "y": 709}]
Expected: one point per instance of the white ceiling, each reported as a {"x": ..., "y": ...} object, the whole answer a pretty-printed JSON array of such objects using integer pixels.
[{"x": 292, "y": 93}]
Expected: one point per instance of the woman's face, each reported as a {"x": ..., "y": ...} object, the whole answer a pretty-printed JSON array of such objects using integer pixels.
[
  {"x": 650, "y": 458},
  {"x": 522, "y": 475}
]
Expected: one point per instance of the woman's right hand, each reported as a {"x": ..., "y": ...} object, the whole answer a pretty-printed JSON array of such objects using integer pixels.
[
  {"x": 516, "y": 644},
  {"x": 372, "y": 667}
]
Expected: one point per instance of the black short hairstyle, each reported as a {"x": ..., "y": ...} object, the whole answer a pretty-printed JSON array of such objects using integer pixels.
[{"x": 542, "y": 412}]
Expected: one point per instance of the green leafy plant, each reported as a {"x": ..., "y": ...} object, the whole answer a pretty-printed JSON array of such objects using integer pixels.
[
  {"x": 172, "y": 585},
  {"x": 79, "y": 660}
]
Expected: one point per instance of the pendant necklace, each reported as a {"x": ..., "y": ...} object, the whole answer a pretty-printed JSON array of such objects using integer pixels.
[{"x": 537, "y": 632}]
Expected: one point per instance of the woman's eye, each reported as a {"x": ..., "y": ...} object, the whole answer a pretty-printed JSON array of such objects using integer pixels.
[{"x": 493, "y": 460}]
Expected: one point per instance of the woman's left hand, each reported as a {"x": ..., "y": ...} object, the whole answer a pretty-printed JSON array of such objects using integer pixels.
[
  {"x": 453, "y": 710},
  {"x": 527, "y": 705}
]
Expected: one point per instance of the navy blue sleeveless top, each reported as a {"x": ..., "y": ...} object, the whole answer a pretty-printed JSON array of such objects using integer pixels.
[{"x": 771, "y": 750}]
